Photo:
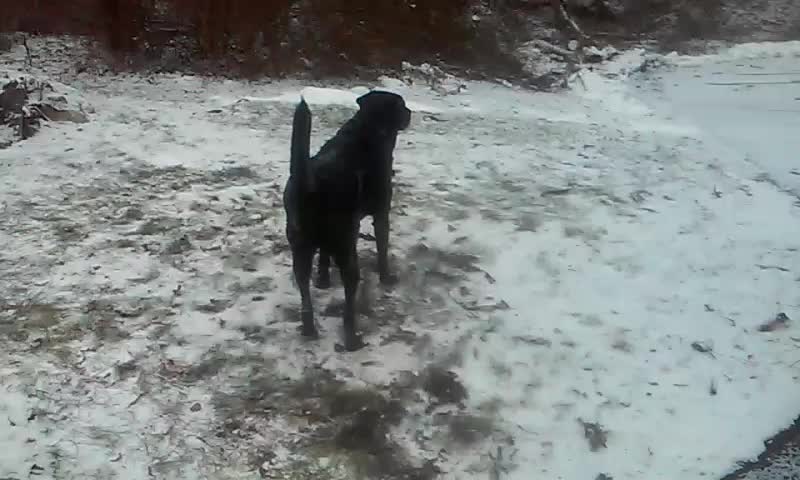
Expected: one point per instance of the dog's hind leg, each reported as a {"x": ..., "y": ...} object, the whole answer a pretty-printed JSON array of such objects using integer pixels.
[
  {"x": 302, "y": 260},
  {"x": 323, "y": 270},
  {"x": 380, "y": 223},
  {"x": 347, "y": 261}
]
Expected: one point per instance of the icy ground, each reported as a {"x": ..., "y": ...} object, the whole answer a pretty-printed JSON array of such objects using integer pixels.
[{"x": 582, "y": 285}]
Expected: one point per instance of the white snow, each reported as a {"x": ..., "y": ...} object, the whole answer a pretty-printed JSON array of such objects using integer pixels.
[
  {"x": 749, "y": 107},
  {"x": 607, "y": 238},
  {"x": 789, "y": 51}
]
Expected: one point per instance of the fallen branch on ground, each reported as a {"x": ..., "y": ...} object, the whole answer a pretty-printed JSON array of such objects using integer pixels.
[
  {"x": 563, "y": 18},
  {"x": 550, "y": 48},
  {"x": 732, "y": 84},
  {"x": 766, "y": 74},
  {"x": 28, "y": 56}
]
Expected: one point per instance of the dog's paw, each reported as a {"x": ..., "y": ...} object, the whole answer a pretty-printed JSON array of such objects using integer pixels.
[
  {"x": 388, "y": 279},
  {"x": 309, "y": 328},
  {"x": 352, "y": 343},
  {"x": 323, "y": 283},
  {"x": 310, "y": 333}
]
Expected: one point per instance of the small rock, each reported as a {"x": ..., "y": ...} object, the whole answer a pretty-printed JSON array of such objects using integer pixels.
[
  {"x": 213, "y": 306},
  {"x": 595, "y": 434},
  {"x": 156, "y": 226},
  {"x": 780, "y": 322},
  {"x": 622, "y": 345},
  {"x": 701, "y": 347},
  {"x": 444, "y": 386},
  {"x": 593, "y": 54},
  {"x": 133, "y": 213},
  {"x": 178, "y": 246},
  {"x": 55, "y": 115},
  {"x": 196, "y": 407},
  {"x": 469, "y": 429},
  {"x": 531, "y": 340}
]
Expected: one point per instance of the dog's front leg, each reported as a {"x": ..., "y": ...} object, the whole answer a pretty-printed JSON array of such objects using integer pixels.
[
  {"x": 380, "y": 223},
  {"x": 348, "y": 266},
  {"x": 324, "y": 270},
  {"x": 302, "y": 262}
]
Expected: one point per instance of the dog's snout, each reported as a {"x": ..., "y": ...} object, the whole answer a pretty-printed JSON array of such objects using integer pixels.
[{"x": 406, "y": 118}]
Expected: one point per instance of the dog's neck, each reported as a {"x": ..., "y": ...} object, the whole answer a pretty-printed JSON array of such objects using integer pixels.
[
  {"x": 376, "y": 137},
  {"x": 367, "y": 141}
]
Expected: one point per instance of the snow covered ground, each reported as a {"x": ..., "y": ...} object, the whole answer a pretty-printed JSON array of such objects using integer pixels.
[
  {"x": 583, "y": 276},
  {"x": 746, "y": 100}
]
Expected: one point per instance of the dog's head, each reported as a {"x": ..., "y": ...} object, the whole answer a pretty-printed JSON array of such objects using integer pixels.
[{"x": 385, "y": 110}]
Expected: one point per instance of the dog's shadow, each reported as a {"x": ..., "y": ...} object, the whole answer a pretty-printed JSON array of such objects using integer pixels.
[{"x": 373, "y": 300}]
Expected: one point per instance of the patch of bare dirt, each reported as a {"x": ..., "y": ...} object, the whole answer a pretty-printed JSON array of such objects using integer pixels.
[{"x": 780, "y": 459}]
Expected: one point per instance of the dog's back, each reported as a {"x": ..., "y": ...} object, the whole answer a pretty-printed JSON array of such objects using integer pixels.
[
  {"x": 352, "y": 170},
  {"x": 323, "y": 190}
]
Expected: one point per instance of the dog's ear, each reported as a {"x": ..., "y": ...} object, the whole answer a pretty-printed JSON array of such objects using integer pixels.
[{"x": 363, "y": 100}]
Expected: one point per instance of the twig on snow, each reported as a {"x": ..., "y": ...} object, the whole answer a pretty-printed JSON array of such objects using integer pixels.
[
  {"x": 772, "y": 267},
  {"x": 474, "y": 306},
  {"x": 38, "y": 111},
  {"x": 703, "y": 347},
  {"x": 497, "y": 464},
  {"x": 580, "y": 77},
  {"x": 28, "y": 55},
  {"x": 136, "y": 400},
  {"x": 556, "y": 191}
]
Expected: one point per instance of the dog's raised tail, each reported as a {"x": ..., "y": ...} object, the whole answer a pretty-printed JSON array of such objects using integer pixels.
[{"x": 301, "y": 142}]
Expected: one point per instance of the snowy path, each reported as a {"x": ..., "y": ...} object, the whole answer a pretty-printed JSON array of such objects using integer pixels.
[
  {"x": 576, "y": 261},
  {"x": 750, "y": 103}
]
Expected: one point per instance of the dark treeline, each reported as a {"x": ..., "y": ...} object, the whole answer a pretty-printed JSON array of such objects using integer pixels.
[{"x": 274, "y": 36}]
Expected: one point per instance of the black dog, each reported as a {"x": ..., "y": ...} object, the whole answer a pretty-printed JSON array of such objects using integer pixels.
[{"x": 328, "y": 194}]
